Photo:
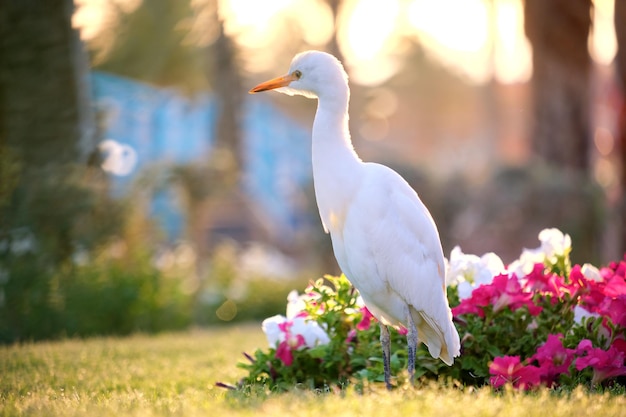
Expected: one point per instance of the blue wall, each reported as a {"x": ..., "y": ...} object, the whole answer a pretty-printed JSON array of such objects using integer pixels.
[{"x": 160, "y": 126}]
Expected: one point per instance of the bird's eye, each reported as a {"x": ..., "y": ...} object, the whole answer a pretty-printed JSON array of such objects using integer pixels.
[{"x": 297, "y": 74}]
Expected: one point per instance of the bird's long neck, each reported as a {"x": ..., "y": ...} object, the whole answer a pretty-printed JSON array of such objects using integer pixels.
[{"x": 336, "y": 165}]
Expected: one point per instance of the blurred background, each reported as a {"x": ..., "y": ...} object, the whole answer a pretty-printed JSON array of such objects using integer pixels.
[{"x": 143, "y": 189}]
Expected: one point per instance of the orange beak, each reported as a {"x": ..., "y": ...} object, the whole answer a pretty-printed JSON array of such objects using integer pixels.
[{"x": 274, "y": 83}]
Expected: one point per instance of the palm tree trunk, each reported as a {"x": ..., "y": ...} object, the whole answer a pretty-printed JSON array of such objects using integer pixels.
[
  {"x": 44, "y": 83},
  {"x": 558, "y": 31},
  {"x": 620, "y": 60}
]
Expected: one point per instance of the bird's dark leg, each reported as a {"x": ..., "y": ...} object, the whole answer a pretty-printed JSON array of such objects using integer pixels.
[
  {"x": 411, "y": 338},
  {"x": 385, "y": 341}
]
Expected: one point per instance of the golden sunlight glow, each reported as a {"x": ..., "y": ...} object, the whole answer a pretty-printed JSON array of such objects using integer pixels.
[
  {"x": 246, "y": 13},
  {"x": 456, "y": 25},
  {"x": 264, "y": 26},
  {"x": 457, "y": 39},
  {"x": 478, "y": 39},
  {"x": 91, "y": 16},
  {"x": 256, "y": 26},
  {"x": 367, "y": 31},
  {"x": 252, "y": 22},
  {"x": 317, "y": 11},
  {"x": 603, "y": 44},
  {"x": 512, "y": 55}
]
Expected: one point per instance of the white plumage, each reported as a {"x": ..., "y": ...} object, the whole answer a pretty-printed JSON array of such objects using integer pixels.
[{"x": 384, "y": 239}]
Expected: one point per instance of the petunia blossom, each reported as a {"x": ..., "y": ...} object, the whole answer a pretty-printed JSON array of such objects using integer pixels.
[
  {"x": 554, "y": 244},
  {"x": 591, "y": 292},
  {"x": 581, "y": 313},
  {"x": 504, "y": 291},
  {"x": 547, "y": 283},
  {"x": 526, "y": 262},
  {"x": 287, "y": 335},
  {"x": 470, "y": 271},
  {"x": 615, "y": 309},
  {"x": 615, "y": 286},
  {"x": 509, "y": 369},
  {"x": 311, "y": 331},
  {"x": 366, "y": 319},
  {"x": 620, "y": 346},
  {"x": 553, "y": 359},
  {"x": 591, "y": 272},
  {"x": 351, "y": 336},
  {"x": 292, "y": 341},
  {"x": 607, "y": 296},
  {"x": 605, "y": 363},
  {"x": 295, "y": 305}
]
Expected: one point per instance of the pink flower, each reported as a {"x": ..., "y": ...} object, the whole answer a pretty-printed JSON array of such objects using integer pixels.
[
  {"x": 366, "y": 322},
  {"x": 606, "y": 297},
  {"x": 509, "y": 369},
  {"x": 553, "y": 359},
  {"x": 291, "y": 342},
  {"x": 481, "y": 297},
  {"x": 467, "y": 306},
  {"x": 288, "y": 335},
  {"x": 579, "y": 283},
  {"x": 503, "y": 292},
  {"x": 605, "y": 363},
  {"x": 615, "y": 268},
  {"x": 351, "y": 336},
  {"x": 511, "y": 295},
  {"x": 546, "y": 283},
  {"x": 615, "y": 286},
  {"x": 366, "y": 319},
  {"x": 615, "y": 309},
  {"x": 620, "y": 345}
]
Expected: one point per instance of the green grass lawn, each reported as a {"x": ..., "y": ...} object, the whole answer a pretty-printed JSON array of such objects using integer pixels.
[{"x": 175, "y": 374}]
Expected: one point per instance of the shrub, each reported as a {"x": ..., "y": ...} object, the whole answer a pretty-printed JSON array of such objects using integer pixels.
[
  {"x": 537, "y": 322},
  {"x": 326, "y": 338},
  {"x": 123, "y": 294}
]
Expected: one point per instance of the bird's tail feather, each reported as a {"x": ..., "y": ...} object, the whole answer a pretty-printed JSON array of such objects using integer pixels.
[{"x": 442, "y": 343}]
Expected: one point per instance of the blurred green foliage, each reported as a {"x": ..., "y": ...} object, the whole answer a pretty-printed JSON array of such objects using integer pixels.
[
  {"x": 76, "y": 262},
  {"x": 57, "y": 274},
  {"x": 106, "y": 296},
  {"x": 120, "y": 288},
  {"x": 229, "y": 294}
]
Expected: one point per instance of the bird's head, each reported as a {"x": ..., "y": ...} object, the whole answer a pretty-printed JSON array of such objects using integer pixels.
[{"x": 311, "y": 74}]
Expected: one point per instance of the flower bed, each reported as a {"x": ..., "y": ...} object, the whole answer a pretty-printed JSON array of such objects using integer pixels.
[{"x": 537, "y": 322}]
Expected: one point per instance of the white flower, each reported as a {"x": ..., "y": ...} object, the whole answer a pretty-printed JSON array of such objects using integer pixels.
[
  {"x": 491, "y": 263},
  {"x": 272, "y": 330},
  {"x": 278, "y": 328},
  {"x": 554, "y": 244},
  {"x": 580, "y": 313},
  {"x": 359, "y": 302},
  {"x": 312, "y": 332},
  {"x": 591, "y": 272},
  {"x": 526, "y": 262},
  {"x": 295, "y": 304},
  {"x": 470, "y": 271},
  {"x": 464, "y": 289}
]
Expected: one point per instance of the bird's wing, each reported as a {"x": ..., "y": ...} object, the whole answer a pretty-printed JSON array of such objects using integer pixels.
[
  {"x": 388, "y": 216},
  {"x": 392, "y": 244}
]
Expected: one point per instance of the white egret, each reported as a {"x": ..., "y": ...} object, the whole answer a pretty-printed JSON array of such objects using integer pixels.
[{"x": 383, "y": 237}]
